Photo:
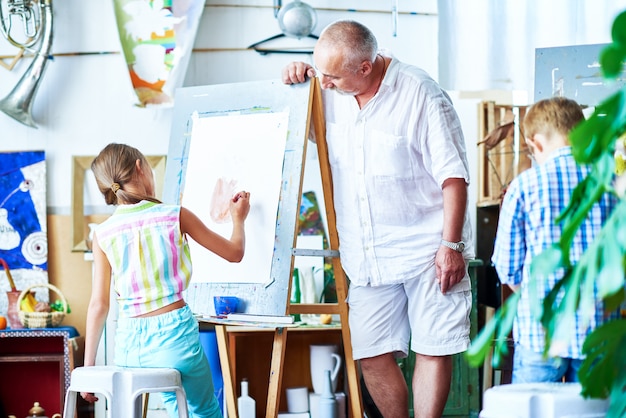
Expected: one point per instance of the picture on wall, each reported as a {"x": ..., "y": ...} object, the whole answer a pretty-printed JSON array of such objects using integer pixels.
[
  {"x": 157, "y": 38},
  {"x": 23, "y": 231}
]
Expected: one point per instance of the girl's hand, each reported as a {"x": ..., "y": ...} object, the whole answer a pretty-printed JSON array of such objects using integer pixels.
[
  {"x": 89, "y": 397},
  {"x": 240, "y": 206}
]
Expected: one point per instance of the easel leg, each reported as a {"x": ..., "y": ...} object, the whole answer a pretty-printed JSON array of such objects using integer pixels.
[
  {"x": 276, "y": 372},
  {"x": 354, "y": 389},
  {"x": 354, "y": 398},
  {"x": 225, "y": 360}
]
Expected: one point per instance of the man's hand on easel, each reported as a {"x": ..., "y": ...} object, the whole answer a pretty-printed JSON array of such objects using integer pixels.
[{"x": 297, "y": 72}]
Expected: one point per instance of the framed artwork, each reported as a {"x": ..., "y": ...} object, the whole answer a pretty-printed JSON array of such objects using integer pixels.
[
  {"x": 157, "y": 38},
  {"x": 23, "y": 225},
  {"x": 81, "y": 175}
]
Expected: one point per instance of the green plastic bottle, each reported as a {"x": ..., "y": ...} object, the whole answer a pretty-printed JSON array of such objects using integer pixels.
[{"x": 296, "y": 293}]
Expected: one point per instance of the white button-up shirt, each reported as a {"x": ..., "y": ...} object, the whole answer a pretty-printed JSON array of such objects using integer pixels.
[{"x": 389, "y": 161}]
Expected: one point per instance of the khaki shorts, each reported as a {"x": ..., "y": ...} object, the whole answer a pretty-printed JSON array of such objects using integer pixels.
[{"x": 384, "y": 318}]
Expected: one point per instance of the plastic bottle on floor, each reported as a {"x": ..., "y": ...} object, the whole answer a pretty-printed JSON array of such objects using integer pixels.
[{"x": 246, "y": 406}]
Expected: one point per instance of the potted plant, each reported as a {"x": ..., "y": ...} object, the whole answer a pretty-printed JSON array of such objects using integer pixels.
[{"x": 603, "y": 266}]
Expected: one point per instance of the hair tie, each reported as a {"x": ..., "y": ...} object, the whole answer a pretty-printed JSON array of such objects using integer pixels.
[{"x": 115, "y": 187}]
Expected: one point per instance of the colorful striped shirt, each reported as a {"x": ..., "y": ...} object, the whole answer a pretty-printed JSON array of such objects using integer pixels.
[
  {"x": 527, "y": 226},
  {"x": 149, "y": 256}
]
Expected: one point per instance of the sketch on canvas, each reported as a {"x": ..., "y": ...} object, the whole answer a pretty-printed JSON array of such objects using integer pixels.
[
  {"x": 229, "y": 153},
  {"x": 23, "y": 236}
]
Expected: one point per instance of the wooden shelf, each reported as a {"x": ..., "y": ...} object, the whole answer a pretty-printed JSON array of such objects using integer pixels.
[
  {"x": 501, "y": 162},
  {"x": 252, "y": 348},
  {"x": 486, "y": 203}
]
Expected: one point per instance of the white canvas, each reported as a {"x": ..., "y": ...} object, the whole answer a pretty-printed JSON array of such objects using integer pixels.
[{"x": 229, "y": 153}]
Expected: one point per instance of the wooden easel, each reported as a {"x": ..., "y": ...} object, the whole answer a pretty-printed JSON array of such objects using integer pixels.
[{"x": 340, "y": 308}]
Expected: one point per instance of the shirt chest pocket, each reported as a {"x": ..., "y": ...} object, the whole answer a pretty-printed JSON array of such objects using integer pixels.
[{"x": 388, "y": 156}]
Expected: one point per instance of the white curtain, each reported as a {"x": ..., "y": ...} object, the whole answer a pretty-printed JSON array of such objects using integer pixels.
[{"x": 490, "y": 44}]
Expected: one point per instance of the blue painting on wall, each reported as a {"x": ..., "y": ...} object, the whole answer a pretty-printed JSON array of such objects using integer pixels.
[{"x": 23, "y": 231}]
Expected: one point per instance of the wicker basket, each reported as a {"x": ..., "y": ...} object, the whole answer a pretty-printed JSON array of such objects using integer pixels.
[{"x": 41, "y": 319}]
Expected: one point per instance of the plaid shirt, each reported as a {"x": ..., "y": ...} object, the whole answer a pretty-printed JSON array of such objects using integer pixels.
[{"x": 527, "y": 226}]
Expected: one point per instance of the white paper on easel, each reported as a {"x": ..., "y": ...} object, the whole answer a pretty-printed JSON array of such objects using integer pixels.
[{"x": 230, "y": 153}]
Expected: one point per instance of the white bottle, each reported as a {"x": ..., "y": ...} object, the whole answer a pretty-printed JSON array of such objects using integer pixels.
[
  {"x": 328, "y": 402},
  {"x": 246, "y": 406}
]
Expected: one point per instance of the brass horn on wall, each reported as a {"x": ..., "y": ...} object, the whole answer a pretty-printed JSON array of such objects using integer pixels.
[{"x": 35, "y": 18}]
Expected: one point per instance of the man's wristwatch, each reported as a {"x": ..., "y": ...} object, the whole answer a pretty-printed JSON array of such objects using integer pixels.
[{"x": 456, "y": 246}]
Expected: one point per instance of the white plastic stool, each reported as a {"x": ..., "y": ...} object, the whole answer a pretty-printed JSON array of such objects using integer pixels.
[
  {"x": 122, "y": 387},
  {"x": 540, "y": 400}
]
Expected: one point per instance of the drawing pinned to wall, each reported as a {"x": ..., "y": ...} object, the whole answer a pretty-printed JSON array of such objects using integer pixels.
[
  {"x": 157, "y": 38},
  {"x": 222, "y": 161},
  {"x": 23, "y": 237}
]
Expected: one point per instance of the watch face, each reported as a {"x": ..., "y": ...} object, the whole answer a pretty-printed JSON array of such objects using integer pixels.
[{"x": 460, "y": 246}]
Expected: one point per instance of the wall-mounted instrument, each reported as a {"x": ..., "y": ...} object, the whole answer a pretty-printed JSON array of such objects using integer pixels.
[{"x": 33, "y": 21}]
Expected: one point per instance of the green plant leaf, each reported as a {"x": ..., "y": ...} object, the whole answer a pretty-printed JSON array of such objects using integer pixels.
[
  {"x": 611, "y": 59},
  {"x": 584, "y": 137},
  {"x": 482, "y": 344},
  {"x": 614, "y": 301},
  {"x": 505, "y": 324},
  {"x": 546, "y": 262},
  {"x": 494, "y": 334},
  {"x": 604, "y": 362},
  {"x": 542, "y": 266},
  {"x": 585, "y": 195},
  {"x": 596, "y": 135},
  {"x": 618, "y": 30},
  {"x": 610, "y": 278},
  {"x": 590, "y": 262},
  {"x": 558, "y": 317},
  {"x": 549, "y": 302},
  {"x": 617, "y": 408}
]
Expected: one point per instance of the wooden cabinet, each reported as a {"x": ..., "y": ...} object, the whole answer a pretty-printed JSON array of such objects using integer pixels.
[
  {"x": 252, "y": 348},
  {"x": 35, "y": 365}
]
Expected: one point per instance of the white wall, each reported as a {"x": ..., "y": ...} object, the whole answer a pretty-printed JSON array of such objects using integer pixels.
[
  {"x": 85, "y": 99},
  {"x": 486, "y": 44}
]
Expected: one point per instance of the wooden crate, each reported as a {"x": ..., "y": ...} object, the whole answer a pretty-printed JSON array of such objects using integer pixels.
[{"x": 501, "y": 162}]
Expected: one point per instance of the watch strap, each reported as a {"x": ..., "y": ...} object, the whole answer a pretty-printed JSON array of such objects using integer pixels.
[{"x": 456, "y": 246}]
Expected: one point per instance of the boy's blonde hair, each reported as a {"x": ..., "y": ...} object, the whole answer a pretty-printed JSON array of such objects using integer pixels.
[
  {"x": 557, "y": 115},
  {"x": 113, "y": 168}
]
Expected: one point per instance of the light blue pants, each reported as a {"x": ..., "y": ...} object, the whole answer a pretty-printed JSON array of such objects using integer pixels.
[
  {"x": 532, "y": 367},
  {"x": 170, "y": 340}
]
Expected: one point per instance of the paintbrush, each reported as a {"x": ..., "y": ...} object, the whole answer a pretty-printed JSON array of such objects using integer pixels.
[{"x": 6, "y": 269}]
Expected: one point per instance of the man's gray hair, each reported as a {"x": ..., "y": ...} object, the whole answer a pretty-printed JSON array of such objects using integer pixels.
[{"x": 356, "y": 41}]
